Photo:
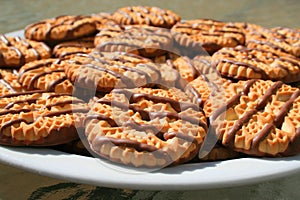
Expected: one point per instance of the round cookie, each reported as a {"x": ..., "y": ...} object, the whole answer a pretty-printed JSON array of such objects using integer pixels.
[
  {"x": 16, "y": 51},
  {"x": 143, "y": 40},
  {"x": 207, "y": 35},
  {"x": 259, "y": 118},
  {"x": 82, "y": 45},
  {"x": 247, "y": 63},
  {"x": 38, "y": 118},
  {"x": 106, "y": 71},
  {"x": 190, "y": 69},
  {"x": 47, "y": 74},
  {"x": 283, "y": 40},
  {"x": 145, "y": 15},
  {"x": 103, "y": 20},
  {"x": 145, "y": 127},
  {"x": 61, "y": 28},
  {"x": 9, "y": 82}
]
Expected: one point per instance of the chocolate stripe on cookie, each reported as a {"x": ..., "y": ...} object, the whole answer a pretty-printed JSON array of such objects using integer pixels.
[
  {"x": 16, "y": 51},
  {"x": 248, "y": 115}
]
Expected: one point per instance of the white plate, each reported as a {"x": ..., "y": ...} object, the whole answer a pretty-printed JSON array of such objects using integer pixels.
[
  {"x": 184, "y": 177},
  {"x": 89, "y": 170}
]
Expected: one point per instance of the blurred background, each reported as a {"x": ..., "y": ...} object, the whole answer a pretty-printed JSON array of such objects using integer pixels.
[{"x": 16, "y": 14}]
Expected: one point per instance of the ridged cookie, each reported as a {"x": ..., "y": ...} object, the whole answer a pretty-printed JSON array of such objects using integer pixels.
[
  {"x": 47, "y": 74},
  {"x": 280, "y": 39},
  {"x": 103, "y": 19},
  {"x": 143, "y": 40},
  {"x": 37, "y": 118},
  {"x": 61, "y": 28},
  {"x": 82, "y": 45},
  {"x": 9, "y": 82},
  {"x": 247, "y": 63},
  {"x": 146, "y": 15},
  {"x": 207, "y": 34},
  {"x": 16, "y": 51},
  {"x": 145, "y": 127},
  {"x": 259, "y": 118},
  {"x": 106, "y": 71}
]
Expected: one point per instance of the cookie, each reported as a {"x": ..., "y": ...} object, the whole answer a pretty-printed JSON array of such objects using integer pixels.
[
  {"x": 47, "y": 74},
  {"x": 207, "y": 35},
  {"x": 82, "y": 45},
  {"x": 248, "y": 63},
  {"x": 37, "y": 118},
  {"x": 16, "y": 51},
  {"x": 143, "y": 40},
  {"x": 190, "y": 69},
  {"x": 103, "y": 19},
  {"x": 278, "y": 39},
  {"x": 257, "y": 117},
  {"x": 61, "y": 28},
  {"x": 106, "y": 71},
  {"x": 145, "y": 127},
  {"x": 146, "y": 15},
  {"x": 9, "y": 82}
]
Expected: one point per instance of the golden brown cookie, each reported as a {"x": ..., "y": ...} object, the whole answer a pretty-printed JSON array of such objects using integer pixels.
[
  {"x": 207, "y": 34},
  {"x": 190, "y": 69},
  {"x": 9, "y": 82},
  {"x": 279, "y": 39},
  {"x": 258, "y": 117},
  {"x": 145, "y": 127},
  {"x": 143, "y": 40},
  {"x": 82, "y": 45},
  {"x": 61, "y": 28},
  {"x": 105, "y": 71},
  {"x": 37, "y": 118},
  {"x": 152, "y": 16},
  {"x": 47, "y": 75},
  {"x": 103, "y": 19},
  {"x": 16, "y": 51},
  {"x": 247, "y": 63}
]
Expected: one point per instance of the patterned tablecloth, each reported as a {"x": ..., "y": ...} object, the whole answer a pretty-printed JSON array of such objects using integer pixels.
[{"x": 19, "y": 184}]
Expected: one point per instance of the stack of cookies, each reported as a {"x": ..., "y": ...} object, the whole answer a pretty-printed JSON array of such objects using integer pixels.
[{"x": 144, "y": 88}]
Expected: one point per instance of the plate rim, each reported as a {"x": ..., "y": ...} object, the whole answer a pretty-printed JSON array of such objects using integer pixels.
[{"x": 182, "y": 177}]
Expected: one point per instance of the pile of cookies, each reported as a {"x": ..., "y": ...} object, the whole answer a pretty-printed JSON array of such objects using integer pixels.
[{"x": 144, "y": 88}]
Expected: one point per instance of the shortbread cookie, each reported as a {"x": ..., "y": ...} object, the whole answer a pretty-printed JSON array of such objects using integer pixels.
[
  {"x": 190, "y": 69},
  {"x": 47, "y": 75},
  {"x": 152, "y": 16},
  {"x": 143, "y": 40},
  {"x": 16, "y": 51},
  {"x": 211, "y": 35},
  {"x": 247, "y": 63},
  {"x": 40, "y": 119},
  {"x": 168, "y": 55},
  {"x": 145, "y": 127},
  {"x": 9, "y": 82},
  {"x": 103, "y": 20},
  {"x": 259, "y": 118},
  {"x": 278, "y": 39},
  {"x": 105, "y": 71},
  {"x": 61, "y": 28},
  {"x": 82, "y": 45}
]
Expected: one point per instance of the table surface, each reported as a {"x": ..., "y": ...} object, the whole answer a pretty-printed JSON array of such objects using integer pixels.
[{"x": 16, "y": 14}]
